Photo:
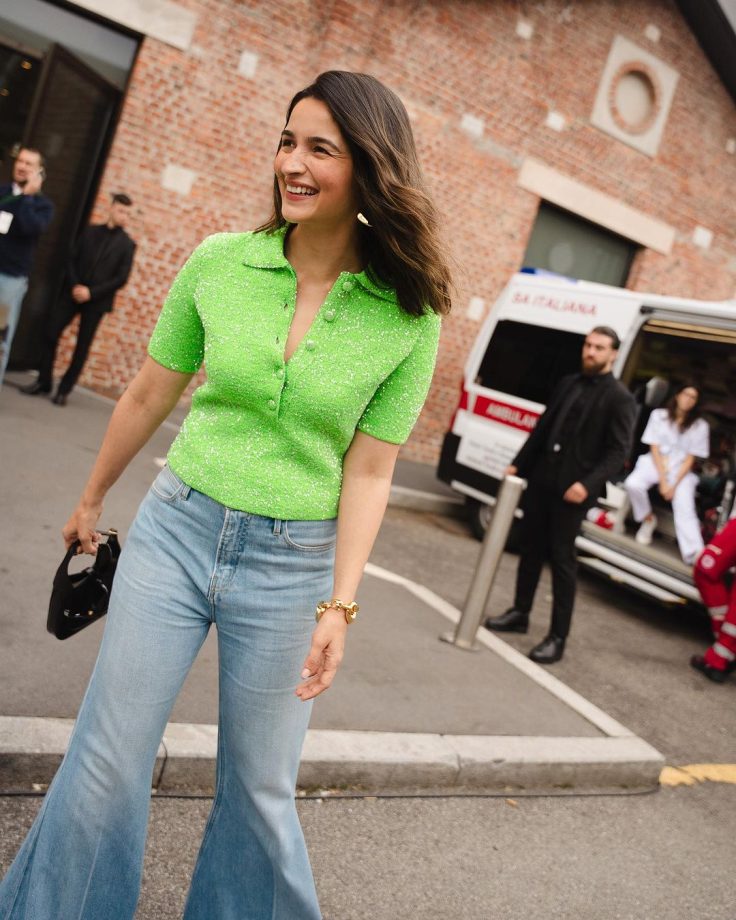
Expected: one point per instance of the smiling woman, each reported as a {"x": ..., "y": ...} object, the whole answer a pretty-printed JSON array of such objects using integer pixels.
[
  {"x": 319, "y": 336},
  {"x": 351, "y": 125},
  {"x": 314, "y": 172}
]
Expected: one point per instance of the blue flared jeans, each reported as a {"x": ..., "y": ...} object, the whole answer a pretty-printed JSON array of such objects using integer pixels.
[{"x": 188, "y": 562}]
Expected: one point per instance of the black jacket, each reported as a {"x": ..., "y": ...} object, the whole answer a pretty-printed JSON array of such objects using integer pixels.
[
  {"x": 601, "y": 443},
  {"x": 31, "y": 216},
  {"x": 101, "y": 260}
]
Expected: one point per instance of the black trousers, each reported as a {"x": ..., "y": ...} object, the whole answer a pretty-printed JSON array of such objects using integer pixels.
[
  {"x": 65, "y": 312},
  {"x": 549, "y": 529}
]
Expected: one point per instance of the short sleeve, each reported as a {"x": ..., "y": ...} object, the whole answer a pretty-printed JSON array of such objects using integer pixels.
[
  {"x": 396, "y": 404},
  {"x": 699, "y": 439},
  {"x": 178, "y": 338},
  {"x": 653, "y": 432}
]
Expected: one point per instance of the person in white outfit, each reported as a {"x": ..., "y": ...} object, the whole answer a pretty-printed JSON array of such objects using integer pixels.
[{"x": 676, "y": 435}]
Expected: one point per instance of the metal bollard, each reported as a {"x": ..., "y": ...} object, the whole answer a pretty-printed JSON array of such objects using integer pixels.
[{"x": 489, "y": 557}]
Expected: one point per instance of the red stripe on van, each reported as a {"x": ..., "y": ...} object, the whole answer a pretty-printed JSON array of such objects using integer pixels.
[
  {"x": 463, "y": 404},
  {"x": 505, "y": 413}
]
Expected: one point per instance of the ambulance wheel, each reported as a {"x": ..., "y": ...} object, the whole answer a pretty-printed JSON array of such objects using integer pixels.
[{"x": 479, "y": 518}]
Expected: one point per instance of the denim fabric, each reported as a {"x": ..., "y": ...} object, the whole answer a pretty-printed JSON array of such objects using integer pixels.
[
  {"x": 188, "y": 562},
  {"x": 12, "y": 291}
]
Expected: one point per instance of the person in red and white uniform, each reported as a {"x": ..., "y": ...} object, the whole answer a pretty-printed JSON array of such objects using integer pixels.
[{"x": 717, "y": 586}]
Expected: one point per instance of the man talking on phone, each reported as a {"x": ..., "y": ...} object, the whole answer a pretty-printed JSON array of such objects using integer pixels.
[{"x": 24, "y": 214}]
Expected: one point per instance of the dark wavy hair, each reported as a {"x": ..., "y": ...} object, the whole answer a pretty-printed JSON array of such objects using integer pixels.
[
  {"x": 671, "y": 405},
  {"x": 402, "y": 248}
]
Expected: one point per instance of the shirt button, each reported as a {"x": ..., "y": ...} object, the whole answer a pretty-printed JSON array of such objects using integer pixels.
[
  {"x": 329, "y": 315},
  {"x": 310, "y": 345},
  {"x": 280, "y": 373},
  {"x": 348, "y": 285},
  {"x": 272, "y": 404}
]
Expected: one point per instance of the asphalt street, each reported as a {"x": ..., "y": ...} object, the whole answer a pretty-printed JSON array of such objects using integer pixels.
[
  {"x": 662, "y": 856},
  {"x": 626, "y": 654},
  {"x": 397, "y": 677}
]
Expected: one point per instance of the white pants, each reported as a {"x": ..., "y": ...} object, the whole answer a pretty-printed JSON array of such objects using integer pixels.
[{"x": 687, "y": 525}]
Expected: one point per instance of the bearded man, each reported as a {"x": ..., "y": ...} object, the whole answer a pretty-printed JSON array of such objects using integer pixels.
[{"x": 581, "y": 440}]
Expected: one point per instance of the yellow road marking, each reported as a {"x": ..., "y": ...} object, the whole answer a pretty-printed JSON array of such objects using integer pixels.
[{"x": 695, "y": 773}]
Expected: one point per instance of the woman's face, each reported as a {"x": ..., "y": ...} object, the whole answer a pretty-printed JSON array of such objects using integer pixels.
[
  {"x": 686, "y": 399},
  {"x": 314, "y": 169}
]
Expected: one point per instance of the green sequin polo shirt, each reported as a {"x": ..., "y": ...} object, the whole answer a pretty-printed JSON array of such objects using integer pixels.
[{"x": 268, "y": 436}]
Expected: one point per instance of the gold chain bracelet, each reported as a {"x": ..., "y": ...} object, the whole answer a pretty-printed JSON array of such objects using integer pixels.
[{"x": 350, "y": 610}]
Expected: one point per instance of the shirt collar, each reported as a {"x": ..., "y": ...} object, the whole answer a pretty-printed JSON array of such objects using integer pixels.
[
  {"x": 266, "y": 250},
  {"x": 17, "y": 190},
  {"x": 595, "y": 379}
]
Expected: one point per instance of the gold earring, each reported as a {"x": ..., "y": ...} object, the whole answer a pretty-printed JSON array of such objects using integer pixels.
[{"x": 363, "y": 219}]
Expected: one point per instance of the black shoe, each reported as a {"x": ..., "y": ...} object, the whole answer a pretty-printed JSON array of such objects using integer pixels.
[
  {"x": 59, "y": 399},
  {"x": 714, "y": 674},
  {"x": 33, "y": 389},
  {"x": 512, "y": 621},
  {"x": 549, "y": 650}
]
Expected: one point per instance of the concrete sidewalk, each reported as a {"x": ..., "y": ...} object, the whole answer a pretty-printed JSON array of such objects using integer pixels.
[{"x": 407, "y": 711}]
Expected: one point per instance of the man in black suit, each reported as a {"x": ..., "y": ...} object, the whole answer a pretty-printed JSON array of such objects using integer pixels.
[
  {"x": 581, "y": 440},
  {"x": 99, "y": 266}
]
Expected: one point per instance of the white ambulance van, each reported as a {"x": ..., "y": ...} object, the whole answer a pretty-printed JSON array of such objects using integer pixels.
[{"x": 531, "y": 338}]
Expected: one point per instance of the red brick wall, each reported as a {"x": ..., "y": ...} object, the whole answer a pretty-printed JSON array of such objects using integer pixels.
[{"x": 193, "y": 109}]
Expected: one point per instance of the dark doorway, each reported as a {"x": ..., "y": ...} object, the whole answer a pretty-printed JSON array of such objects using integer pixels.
[
  {"x": 19, "y": 76},
  {"x": 63, "y": 77},
  {"x": 70, "y": 122}
]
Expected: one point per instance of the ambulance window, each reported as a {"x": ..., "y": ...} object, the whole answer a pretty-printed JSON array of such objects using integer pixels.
[{"x": 527, "y": 361}]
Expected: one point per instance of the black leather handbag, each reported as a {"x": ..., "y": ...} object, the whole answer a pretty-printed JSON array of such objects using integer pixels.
[{"x": 82, "y": 598}]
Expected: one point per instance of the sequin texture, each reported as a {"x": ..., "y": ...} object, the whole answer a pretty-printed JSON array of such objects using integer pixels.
[{"x": 268, "y": 436}]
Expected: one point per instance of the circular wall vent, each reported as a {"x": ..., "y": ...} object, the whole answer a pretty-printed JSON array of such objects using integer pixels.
[{"x": 634, "y": 97}]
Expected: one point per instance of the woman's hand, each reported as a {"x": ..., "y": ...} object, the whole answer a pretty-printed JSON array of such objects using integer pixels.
[
  {"x": 366, "y": 483},
  {"x": 666, "y": 490},
  {"x": 325, "y": 655},
  {"x": 81, "y": 526}
]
